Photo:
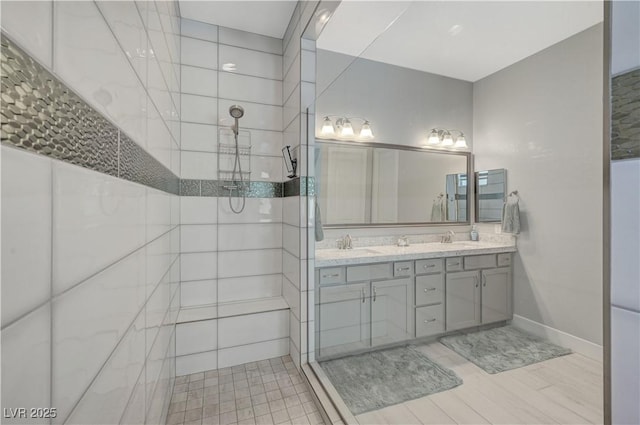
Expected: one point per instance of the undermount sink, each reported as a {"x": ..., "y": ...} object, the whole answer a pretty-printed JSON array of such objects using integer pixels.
[
  {"x": 367, "y": 250},
  {"x": 464, "y": 243}
]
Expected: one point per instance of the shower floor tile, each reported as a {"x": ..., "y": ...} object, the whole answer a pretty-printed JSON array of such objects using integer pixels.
[{"x": 269, "y": 392}]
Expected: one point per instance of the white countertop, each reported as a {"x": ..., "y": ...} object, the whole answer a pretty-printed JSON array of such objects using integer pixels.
[{"x": 378, "y": 254}]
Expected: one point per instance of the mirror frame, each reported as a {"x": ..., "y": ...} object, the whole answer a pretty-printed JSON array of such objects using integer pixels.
[{"x": 471, "y": 182}]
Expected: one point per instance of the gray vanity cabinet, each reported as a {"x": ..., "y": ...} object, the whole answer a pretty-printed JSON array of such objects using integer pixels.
[
  {"x": 463, "y": 305},
  {"x": 362, "y": 306},
  {"x": 496, "y": 295},
  {"x": 391, "y": 304},
  {"x": 481, "y": 294},
  {"x": 344, "y": 323}
]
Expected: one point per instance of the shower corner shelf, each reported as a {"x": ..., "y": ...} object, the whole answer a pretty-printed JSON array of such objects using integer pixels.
[{"x": 227, "y": 149}]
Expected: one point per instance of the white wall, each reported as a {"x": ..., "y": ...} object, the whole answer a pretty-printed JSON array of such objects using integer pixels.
[
  {"x": 625, "y": 33},
  {"x": 90, "y": 262},
  {"x": 541, "y": 119},
  {"x": 402, "y": 104}
]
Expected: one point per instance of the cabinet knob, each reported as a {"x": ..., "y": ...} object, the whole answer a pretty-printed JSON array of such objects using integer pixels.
[{"x": 429, "y": 320}]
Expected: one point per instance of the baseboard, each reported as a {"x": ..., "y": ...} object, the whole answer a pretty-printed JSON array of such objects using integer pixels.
[{"x": 579, "y": 345}]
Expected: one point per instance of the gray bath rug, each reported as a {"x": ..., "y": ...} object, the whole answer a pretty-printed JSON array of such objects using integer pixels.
[
  {"x": 499, "y": 349},
  {"x": 383, "y": 378}
]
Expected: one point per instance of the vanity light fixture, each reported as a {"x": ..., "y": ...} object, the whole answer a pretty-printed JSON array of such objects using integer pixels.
[
  {"x": 327, "y": 128},
  {"x": 439, "y": 137},
  {"x": 343, "y": 128}
]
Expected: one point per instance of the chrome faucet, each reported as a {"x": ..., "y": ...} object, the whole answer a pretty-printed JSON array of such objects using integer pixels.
[
  {"x": 447, "y": 237},
  {"x": 345, "y": 242},
  {"x": 403, "y": 241}
]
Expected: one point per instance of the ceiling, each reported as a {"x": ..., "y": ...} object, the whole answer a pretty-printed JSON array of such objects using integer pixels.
[
  {"x": 261, "y": 17},
  {"x": 467, "y": 40}
]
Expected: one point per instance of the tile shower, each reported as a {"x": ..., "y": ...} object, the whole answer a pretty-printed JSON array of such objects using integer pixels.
[{"x": 113, "y": 213}]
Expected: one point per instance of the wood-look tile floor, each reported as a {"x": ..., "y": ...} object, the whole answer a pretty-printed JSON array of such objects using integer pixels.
[
  {"x": 265, "y": 392},
  {"x": 564, "y": 390}
]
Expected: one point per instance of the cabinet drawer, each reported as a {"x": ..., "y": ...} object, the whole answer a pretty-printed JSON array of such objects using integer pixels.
[
  {"x": 429, "y": 266},
  {"x": 454, "y": 264},
  {"x": 504, "y": 260},
  {"x": 331, "y": 275},
  {"x": 368, "y": 272},
  {"x": 429, "y": 320},
  {"x": 403, "y": 268},
  {"x": 430, "y": 289},
  {"x": 476, "y": 262}
]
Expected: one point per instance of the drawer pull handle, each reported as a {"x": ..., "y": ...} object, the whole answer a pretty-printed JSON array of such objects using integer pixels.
[
  {"x": 484, "y": 280},
  {"x": 429, "y": 320},
  {"x": 403, "y": 269},
  {"x": 331, "y": 275},
  {"x": 362, "y": 295},
  {"x": 429, "y": 289},
  {"x": 453, "y": 264},
  {"x": 429, "y": 266},
  {"x": 475, "y": 279},
  {"x": 375, "y": 294}
]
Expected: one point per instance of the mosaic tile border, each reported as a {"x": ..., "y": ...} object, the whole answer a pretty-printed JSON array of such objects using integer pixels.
[
  {"x": 40, "y": 114},
  {"x": 625, "y": 115},
  {"x": 219, "y": 188}
]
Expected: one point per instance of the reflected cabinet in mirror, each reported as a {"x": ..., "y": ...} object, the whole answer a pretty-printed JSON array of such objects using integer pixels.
[
  {"x": 491, "y": 190},
  {"x": 359, "y": 184}
]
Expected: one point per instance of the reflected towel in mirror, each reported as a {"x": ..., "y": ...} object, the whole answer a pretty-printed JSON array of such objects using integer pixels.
[{"x": 438, "y": 210}]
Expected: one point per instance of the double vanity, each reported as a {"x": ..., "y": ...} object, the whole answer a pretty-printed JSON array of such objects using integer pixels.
[{"x": 379, "y": 295}]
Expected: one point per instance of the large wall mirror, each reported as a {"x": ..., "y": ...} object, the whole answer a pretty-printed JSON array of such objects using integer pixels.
[{"x": 377, "y": 184}]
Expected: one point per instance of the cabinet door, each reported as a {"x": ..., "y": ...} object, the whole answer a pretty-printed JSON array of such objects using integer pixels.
[
  {"x": 391, "y": 311},
  {"x": 496, "y": 295},
  {"x": 344, "y": 319},
  {"x": 462, "y": 300}
]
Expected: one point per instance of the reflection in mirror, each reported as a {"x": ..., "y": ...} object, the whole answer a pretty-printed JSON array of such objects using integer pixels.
[
  {"x": 359, "y": 184},
  {"x": 491, "y": 190}
]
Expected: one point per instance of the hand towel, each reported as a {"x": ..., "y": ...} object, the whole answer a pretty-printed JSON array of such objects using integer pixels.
[
  {"x": 318, "y": 223},
  {"x": 511, "y": 215}
]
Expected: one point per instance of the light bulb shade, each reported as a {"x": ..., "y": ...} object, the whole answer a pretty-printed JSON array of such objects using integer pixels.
[
  {"x": 327, "y": 127},
  {"x": 347, "y": 129},
  {"x": 433, "y": 139},
  {"x": 365, "y": 131},
  {"x": 447, "y": 140},
  {"x": 461, "y": 142}
]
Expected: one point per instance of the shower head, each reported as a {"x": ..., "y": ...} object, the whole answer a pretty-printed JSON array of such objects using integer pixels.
[{"x": 236, "y": 111}]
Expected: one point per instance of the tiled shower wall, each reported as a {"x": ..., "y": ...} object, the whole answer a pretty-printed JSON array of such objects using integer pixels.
[
  {"x": 298, "y": 249},
  {"x": 232, "y": 263},
  {"x": 90, "y": 235}
]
